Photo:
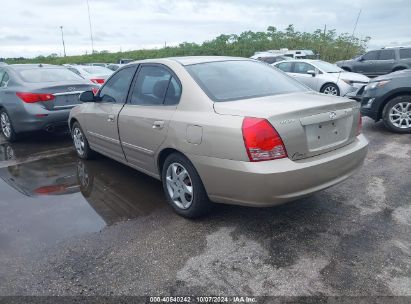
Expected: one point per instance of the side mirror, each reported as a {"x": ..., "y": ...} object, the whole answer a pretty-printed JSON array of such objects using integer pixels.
[
  {"x": 360, "y": 58},
  {"x": 311, "y": 72},
  {"x": 87, "y": 96}
]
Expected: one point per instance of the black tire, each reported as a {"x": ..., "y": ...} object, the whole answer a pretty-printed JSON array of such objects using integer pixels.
[
  {"x": 200, "y": 203},
  {"x": 86, "y": 152},
  {"x": 405, "y": 99},
  {"x": 328, "y": 87},
  {"x": 12, "y": 136}
]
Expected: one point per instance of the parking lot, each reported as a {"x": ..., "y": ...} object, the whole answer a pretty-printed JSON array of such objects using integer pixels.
[{"x": 70, "y": 227}]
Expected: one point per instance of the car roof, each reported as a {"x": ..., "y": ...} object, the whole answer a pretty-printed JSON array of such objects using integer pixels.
[
  {"x": 306, "y": 60},
  {"x": 203, "y": 59},
  {"x": 19, "y": 67},
  {"x": 189, "y": 60}
]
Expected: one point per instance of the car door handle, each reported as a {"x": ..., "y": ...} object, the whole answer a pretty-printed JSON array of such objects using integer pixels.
[
  {"x": 158, "y": 124},
  {"x": 110, "y": 118}
]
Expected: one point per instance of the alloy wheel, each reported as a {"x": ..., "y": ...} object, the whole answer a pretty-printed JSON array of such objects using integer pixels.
[
  {"x": 78, "y": 139},
  {"x": 179, "y": 185},
  {"x": 330, "y": 90},
  {"x": 5, "y": 124},
  {"x": 400, "y": 115}
]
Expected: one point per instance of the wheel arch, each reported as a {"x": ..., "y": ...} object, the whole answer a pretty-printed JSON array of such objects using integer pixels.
[
  {"x": 328, "y": 83},
  {"x": 164, "y": 153},
  {"x": 399, "y": 68},
  {"x": 2, "y": 107},
  {"x": 72, "y": 121}
]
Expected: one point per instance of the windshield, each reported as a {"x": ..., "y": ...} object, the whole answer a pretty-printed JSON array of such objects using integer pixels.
[
  {"x": 97, "y": 70},
  {"x": 241, "y": 79},
  {"x": 48, "y": 75},
  {"x": 328, "y": 67}
]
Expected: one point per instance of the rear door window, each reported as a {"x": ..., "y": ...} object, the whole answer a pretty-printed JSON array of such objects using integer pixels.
[
  {"x": 5, "y": 80},
  {"x": 370, "y": 55},
  {"x": 285, "y": 66},
  {"x": 1, "y": 76},
  {"x": 303, "y": 67},
  {"x": 387, "y": 55},
  {"x": 173, "y": 93},
  {"x": 155, "y": 85},
  {"x": 116, "y": 88},
  {"x": 405, "y": 53}
]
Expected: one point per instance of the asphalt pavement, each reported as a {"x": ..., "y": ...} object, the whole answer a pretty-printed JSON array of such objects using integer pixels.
[{"x": 72, "y": 227}]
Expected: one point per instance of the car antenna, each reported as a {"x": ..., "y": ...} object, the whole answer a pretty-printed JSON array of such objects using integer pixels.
[{"x": 352, "y": 36}]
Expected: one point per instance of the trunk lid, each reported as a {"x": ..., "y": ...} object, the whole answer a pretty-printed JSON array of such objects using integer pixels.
[
  {"x": 66, "y": 96},
  {"x": 308, "y": 123}
]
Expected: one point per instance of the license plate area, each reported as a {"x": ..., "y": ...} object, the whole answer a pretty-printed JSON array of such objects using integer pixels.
[
  {"x": 327, "y": 134},
  {"x": 66, "y": 101}
]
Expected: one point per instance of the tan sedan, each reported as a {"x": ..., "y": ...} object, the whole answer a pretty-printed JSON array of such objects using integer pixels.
[{"x": 220, "y": 129}]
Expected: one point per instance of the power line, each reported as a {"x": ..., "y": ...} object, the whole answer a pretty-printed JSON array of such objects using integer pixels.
[
  {"x": 351, "y": 40},
  {"x": 356, "y": 23}
]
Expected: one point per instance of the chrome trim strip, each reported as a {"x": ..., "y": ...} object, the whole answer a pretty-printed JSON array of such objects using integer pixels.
[
  {"x": 65, "y": 107},
  {"x": 67, "y": 93},
  {"x": 104, "y": 137},
  {"x": 140, "y": 149}
]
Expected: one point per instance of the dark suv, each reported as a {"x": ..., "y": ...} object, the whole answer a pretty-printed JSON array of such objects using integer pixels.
[
  {"x": 388, "y": 98},
  {"x": 379, "y": 62}
]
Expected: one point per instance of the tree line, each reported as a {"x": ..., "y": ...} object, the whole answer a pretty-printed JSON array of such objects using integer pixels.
[{"x": 328, "y": 44}]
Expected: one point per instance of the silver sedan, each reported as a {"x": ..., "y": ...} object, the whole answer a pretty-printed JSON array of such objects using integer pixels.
[
  {"x": 95, "y": 74},
  {"x": 323, "y": 77}
]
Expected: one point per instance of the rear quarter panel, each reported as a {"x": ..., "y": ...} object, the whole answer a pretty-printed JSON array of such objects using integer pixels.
[{"x": 76, "y": 114}]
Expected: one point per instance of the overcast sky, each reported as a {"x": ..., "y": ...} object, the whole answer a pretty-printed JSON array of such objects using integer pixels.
[{"x": 32, "y": 27}]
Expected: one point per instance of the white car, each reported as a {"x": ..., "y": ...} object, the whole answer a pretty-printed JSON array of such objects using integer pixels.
[
  {"x": 96, "y": 74},
  {"x": 323, "y": 77}
]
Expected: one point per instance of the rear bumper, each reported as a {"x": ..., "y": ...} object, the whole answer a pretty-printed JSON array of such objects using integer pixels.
[
  {"x": 270, "y": 183},
  {"x": 36, "y": 122}
]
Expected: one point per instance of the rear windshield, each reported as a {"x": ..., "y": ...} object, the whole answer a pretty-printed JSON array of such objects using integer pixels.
[
  {"x": 48, "y": 75},
  {"x": 97, "y": 70},
  {"x": 241, "y": 79}
]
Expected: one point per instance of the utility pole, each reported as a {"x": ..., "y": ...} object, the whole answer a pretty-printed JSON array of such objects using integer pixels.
[
  {"x": 91, "y": 31},
  {"x": 62, "y": 39}
]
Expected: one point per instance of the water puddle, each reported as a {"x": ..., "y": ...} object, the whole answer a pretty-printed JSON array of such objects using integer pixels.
[{"x": 47, "y": 196}]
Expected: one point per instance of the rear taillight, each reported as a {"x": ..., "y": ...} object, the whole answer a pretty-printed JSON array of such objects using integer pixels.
[
  {"x": 97, "y": 80},
  {"x": 359, "y": 126},
  {"x": 95, "y": 91},
  {"x": 34, "y": 97},
  {"x": 261, "y": 140}
]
